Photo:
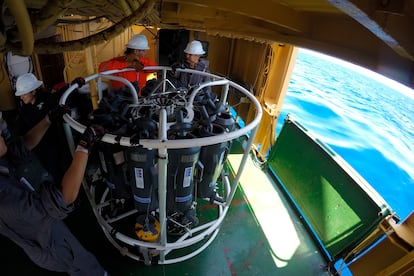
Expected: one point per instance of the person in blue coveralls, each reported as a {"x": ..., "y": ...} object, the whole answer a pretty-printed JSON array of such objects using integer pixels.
[
  {"x": 32, "y": 218},
  {"x": 193, "y": 53}
]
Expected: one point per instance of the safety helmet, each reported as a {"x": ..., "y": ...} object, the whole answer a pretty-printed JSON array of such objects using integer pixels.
[
  {"x": 194, "y": 48},
  {"x": 26, "y": 83},
  {"x": 138, "y": 42}
]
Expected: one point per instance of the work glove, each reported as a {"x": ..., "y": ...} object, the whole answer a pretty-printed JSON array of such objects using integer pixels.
[
  {"x": 4, "y": 130},
  {"x": 56, "y": 115},
  {"x": 137, "y": 65},
  {"x": 79, "y": 81},
  {"x": 60, "y": 87},
  {"x": 90, "y": 136},
  {"x": 134, "y": 63},
  {"x": 176, "y": 66}
]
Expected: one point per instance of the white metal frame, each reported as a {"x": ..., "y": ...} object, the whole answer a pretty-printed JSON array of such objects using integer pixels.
[{"x": 205, "y": 232}]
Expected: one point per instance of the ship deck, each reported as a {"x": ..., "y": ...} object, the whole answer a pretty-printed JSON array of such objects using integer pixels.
[{"x": 261, "y": 235}]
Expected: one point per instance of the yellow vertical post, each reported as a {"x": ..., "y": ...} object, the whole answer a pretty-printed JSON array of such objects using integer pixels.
[
  {"x": 90, "y": 70},
  {"x": 273, "y": 94},
  {"x": 7, "y": 99}
]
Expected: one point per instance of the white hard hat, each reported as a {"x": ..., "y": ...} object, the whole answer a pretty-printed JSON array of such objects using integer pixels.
[
  {"x": 26, "y": 83},
  {"x": 138, "y": 42},
  {"x": 194, "y": 48}
]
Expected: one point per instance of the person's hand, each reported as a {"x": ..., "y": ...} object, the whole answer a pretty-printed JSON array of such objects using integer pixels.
[
  {"x": 133, "y": 62},
  {"x": 134, "y": 139},
  {"x": 56, "y": 115},
  {"x": 137, "y": 65},
  {"x": 79, "y": 81},
  {"x": 59, "y": 87},
  {"x": 90, "y": 136},
  {"x": 176, "y": 66}
]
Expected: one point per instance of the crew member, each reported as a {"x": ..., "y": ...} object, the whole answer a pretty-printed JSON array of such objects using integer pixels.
[
  {"x": 33, "y": 219},
  {"x": 134, "y": 57},
  {"x": 193, "y": 53},
  {"x": 35, "y": 103}
]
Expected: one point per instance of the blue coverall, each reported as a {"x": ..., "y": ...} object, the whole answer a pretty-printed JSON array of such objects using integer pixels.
[{"x": 188, "y": 80}]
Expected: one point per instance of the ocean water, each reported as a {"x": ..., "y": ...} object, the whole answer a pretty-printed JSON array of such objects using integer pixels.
[{"x": 367, "y": 120}]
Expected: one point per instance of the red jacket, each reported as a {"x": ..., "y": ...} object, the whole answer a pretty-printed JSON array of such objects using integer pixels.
[{"x": 120, "y": 63}]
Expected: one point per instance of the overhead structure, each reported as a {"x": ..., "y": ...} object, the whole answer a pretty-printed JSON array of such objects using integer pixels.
[{"x": 374, "y": 34}]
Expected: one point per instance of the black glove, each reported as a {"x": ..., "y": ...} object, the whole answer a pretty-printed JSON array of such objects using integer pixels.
[
  {"x": 176, "y": 66},
  {"x": 56, "y": 115},
  {"x": 89, "y": 137},
  {"x": 79, "y": 81}
]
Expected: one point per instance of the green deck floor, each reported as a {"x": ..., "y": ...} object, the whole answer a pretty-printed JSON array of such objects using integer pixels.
[{"x": 260, "y": 236}]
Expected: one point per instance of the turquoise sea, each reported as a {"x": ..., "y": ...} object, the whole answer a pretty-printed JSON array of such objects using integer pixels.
[{"x": 367, "y": 120}]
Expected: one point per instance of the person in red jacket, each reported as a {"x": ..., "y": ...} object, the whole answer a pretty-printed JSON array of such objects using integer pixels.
[{"x": 134, "y": 57}]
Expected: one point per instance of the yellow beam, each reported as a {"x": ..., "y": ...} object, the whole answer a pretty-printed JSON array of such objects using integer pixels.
[
  {"x": 279, "y": 72},
  {"x": 268, "y": 11}
]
